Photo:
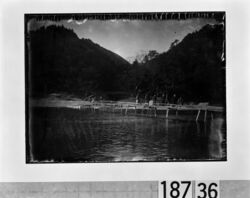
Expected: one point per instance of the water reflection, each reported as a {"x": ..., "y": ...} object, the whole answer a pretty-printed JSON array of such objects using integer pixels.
[{"x": 71, "y": 135}]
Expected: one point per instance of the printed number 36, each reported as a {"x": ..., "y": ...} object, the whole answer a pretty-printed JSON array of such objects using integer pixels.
[{"x": 208, "y": 191}]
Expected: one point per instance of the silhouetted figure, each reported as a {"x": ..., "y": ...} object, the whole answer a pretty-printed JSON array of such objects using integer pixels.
[
  {"x": 174, "y": 99},
  {"x": 137, "y": 98},
  {"x": 154, "y": 98},
  {"x": 162, "y": 98},
  {"x": 180, "y": 101},
  {"x": 166, "y": 98},
  {"x": 151, "y": 103}
]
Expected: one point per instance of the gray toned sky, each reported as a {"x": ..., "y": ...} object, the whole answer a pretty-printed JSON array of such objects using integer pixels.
[{"x": 128, "y": 37}]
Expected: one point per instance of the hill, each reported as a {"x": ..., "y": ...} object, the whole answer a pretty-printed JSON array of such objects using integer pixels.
[
  {"x": 193, "y": 69},
  {"x": 61, "y": 62}
]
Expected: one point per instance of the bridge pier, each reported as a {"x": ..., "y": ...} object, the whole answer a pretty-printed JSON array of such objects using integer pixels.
[
  {"x": 198, "y": 114},
  {"x": 167, "y": 111}
]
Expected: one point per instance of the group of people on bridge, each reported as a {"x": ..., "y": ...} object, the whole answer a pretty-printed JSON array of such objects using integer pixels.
[{"x": 163, "y": 99}]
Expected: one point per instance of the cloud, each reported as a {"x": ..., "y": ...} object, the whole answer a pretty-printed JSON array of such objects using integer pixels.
[
  {"x": 70, "y": 20},
  {"x": 81, "y": 22}
]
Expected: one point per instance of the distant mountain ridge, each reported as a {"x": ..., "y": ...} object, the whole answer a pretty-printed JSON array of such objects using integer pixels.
[{"x": 143, "y": 56}]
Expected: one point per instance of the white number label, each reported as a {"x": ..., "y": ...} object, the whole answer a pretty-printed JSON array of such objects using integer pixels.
[
  {"x": 207, "y": 189},
  {"x": 175, "y": 189},
  {"x": 189, "y": 189}
]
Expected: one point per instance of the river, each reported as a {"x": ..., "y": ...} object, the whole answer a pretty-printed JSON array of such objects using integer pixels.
[{"x": 69, "y": 135}]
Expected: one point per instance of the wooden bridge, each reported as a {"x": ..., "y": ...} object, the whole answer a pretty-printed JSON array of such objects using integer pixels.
[
  {"x": 156, "y": 110},
  {"x": 146, "y": 109}
]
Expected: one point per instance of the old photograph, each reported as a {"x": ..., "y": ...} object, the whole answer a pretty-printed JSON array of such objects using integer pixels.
[{"x": 125, "y": 87}]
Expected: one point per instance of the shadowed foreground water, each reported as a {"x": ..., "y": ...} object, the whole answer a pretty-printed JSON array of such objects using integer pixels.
[{"x": 68, "y": 135}]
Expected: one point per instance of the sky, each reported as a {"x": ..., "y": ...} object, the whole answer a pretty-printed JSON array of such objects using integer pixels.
[{"x": 128, "y": 38}]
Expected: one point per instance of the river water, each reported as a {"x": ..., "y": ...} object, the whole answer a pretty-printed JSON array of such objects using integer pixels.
[{"x": 68, "y": 135}]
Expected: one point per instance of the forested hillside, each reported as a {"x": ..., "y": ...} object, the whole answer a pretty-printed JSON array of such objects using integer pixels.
[
  {"x": 61, "y": 62},
  {"x": 193, "y": 69}
]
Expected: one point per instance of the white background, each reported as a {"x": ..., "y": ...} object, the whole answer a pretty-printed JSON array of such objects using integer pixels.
[{"x": 12, "y": 100}]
